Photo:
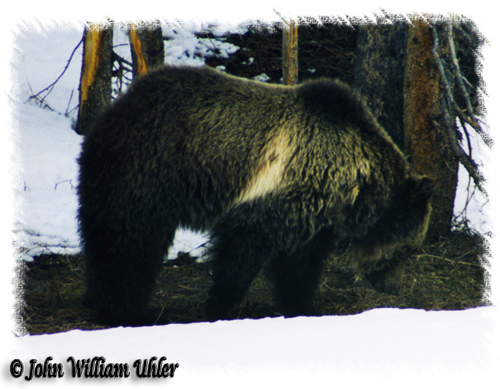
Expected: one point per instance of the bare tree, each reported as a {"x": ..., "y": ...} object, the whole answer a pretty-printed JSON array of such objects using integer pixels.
[
  {"x": 426, "y": 125},
  {"x": 146, "y": 43},
  {"x": 95, "y": 80},
  {"x": 290, "y": 52},
  {"x": 379, "y": 73},
  {"x": 411, "y": 76}
]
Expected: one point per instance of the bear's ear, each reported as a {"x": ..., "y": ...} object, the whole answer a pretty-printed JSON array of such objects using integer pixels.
[
  {"x": 419, "y": 189},
  {"x": 425, "y": 186}
]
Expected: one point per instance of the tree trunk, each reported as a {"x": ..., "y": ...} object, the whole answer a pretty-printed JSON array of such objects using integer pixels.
[
  {"x": 95, "y": 79},
  {"x": 148, "y": 50},
  {"x": 379, "y": 74},
  {"x": 426, "y": 139},
  {"x": 290, "y": 53}
]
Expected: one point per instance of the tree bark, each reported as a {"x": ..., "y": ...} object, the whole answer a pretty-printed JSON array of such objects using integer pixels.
[
  {"x": 148, "y": 50},
  {"x": 290, "y": 53},
  {"x": 426, "y": 130},
  {"x": 95, "y": 79},
  {"x": 379, "y": 74}
]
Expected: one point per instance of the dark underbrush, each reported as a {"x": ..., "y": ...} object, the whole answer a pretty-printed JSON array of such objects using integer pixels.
[{"x": 446, "y": 275}]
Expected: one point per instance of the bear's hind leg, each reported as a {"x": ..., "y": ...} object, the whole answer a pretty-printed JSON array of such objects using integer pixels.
[{"x": 121, "y": 274}]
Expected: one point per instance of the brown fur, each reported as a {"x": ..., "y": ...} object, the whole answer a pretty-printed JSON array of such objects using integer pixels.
[{"x": 277, "y": 174}]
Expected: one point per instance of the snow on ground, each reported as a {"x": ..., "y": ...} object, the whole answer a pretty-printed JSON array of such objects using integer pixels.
[
  {"x": 381, "y": 348},
  {"x": 185, "y": 48}
]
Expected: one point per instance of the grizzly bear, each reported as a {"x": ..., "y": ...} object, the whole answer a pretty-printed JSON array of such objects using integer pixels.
[{"x": 278, "y": 175}]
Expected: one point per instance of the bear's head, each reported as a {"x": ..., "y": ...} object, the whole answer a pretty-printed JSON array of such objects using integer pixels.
[{"x": 381, "y": 255}]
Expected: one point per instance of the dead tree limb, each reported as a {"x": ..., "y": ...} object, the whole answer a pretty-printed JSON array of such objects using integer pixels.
[
  {"x": 481, "y": 38},
  {"x": 465, "y": 159},
  {"x": 471, "y": 119},
  {"x": 49, "y": 88}
]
